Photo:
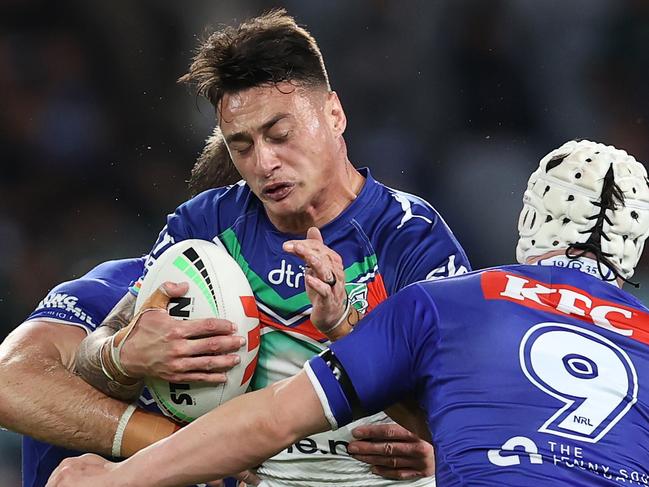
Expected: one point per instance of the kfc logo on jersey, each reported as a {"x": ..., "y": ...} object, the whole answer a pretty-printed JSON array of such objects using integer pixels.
[{"x": 565, "y": 300}]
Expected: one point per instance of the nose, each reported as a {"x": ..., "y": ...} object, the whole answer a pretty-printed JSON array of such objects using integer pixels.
[{"x": 267, "y": 160}]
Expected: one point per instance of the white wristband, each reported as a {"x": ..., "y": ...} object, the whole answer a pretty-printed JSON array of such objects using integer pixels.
[
  {"x": 115, "y": 352},
  {"x": 341, "y": 320},
  {"x": 121, "y": 427}
]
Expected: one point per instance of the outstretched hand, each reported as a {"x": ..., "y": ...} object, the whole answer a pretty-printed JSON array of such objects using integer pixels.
[
  {"x": 393, "y": 451},
  {"x": 324, "y": 278}
]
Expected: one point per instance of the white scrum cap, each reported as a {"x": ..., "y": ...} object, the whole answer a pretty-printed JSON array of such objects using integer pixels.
[{"x": 563, "y": 200}]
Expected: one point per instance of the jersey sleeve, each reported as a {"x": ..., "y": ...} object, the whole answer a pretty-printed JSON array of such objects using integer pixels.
[
  {"x": 200, "y": 218},
  {"x": 418, "y": 245},
  {"x": 395, "y": 342},
  {"x": 86, "y": 301}
]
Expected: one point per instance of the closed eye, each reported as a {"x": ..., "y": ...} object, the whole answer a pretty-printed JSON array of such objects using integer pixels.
[{"x": 279, "y": 136}]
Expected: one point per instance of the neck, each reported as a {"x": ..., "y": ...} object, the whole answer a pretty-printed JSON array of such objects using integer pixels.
[
  {"x": 330, "y": 202},
  {"x": 586, "y": 263}
]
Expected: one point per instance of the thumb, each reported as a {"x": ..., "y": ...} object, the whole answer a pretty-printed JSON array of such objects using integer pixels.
[
  {"x": 160, "y": 297},
  {"x": 314, "y": 234},
  {"x": 174, "y": 289}
]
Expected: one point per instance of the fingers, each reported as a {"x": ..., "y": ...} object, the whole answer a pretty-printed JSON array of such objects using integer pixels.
[
  {"x": 207, "y": 327},
  {"x": 248, "y": 477},
  {"x": 313, "y": 233},
  {"x": 211, "y": 345},
  {"x": 323, "y": 289},
  {"x": 410, "y": 455},
  {"x": 209, "y": 377},
  {"x": 394, "y": 474},
  {"x": 388, "y": 431},
  {"x": 323, "y": 263},
  {"x": 209, "y": 363},
  {"x": 393, "y": 451},
  {"x": 398, "y": 467}
]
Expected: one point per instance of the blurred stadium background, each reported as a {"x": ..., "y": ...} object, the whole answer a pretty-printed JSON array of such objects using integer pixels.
[{"x": 455, "y": 101}]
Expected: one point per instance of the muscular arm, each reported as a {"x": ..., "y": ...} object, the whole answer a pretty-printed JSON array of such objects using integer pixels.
[
  {"x": 88, "y": 360},
  {"x": 41, "y": 398},
  {"x": 238, "y": 435}
]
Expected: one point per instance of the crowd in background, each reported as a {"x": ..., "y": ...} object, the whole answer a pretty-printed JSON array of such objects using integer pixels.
[{"x": 455, "y": 101}]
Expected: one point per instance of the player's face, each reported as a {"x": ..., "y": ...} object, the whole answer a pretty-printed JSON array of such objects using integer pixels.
[{"x": 286, "y": 143}]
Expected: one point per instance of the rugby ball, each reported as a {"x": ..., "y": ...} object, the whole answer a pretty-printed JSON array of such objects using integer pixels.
[{"x": 218, "y": 288}]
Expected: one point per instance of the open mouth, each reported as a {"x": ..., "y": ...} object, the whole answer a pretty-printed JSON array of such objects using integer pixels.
[{"x": 277, "y": 191}]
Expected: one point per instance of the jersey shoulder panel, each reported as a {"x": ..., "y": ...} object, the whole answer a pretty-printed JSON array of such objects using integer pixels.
[
  {"x": 411, "y": 239},
  {"x": 211, "y": 212},
  {"x": 86, "y": 301}
]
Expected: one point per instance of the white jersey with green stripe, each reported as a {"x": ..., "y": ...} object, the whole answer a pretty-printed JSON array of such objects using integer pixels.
[{"x": 387, "y": 240}]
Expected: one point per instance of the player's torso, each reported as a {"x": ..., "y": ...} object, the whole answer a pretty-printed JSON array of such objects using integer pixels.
[
  {"x": 565, "y": 349},
  {"x": 386, "y": 238},
  {"x": 289, "y": 339}
]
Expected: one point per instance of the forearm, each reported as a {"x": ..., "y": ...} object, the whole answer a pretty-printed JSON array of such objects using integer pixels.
[
  {"x": 94, "y": 368},
  {"x": 238, "y": 435},
  {"x": 42, "y": 399}
]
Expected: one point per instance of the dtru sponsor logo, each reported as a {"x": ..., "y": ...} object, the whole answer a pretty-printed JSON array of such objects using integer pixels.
[{"x": 286, "y": 274}]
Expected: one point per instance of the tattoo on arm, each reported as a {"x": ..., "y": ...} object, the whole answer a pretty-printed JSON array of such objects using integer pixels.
[{"x": 88, "y": 359}]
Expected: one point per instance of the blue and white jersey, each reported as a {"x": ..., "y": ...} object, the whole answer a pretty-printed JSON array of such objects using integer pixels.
[
  {"x": 86, "y": 301},
  {"x": 83, "y": 302},
  {"x": 528, "y": 375},
  {"x": 387, "y": 239}
]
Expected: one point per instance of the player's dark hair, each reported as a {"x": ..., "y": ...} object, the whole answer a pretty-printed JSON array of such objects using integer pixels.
[
  {"x": 263, "y": 50},
  {"x": 214, "y": 167},
  {"x": 611, "y": 196}
]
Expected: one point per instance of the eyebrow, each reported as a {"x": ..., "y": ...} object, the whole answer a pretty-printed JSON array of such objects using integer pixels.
[{"x": 245, "y": 136}]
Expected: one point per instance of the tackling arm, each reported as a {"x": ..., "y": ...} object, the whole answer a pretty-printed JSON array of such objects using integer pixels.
[
  {"x": 238, "y": 435},
  {"x": 41, "y": 398},
  {"x": 89, "y": 355}
]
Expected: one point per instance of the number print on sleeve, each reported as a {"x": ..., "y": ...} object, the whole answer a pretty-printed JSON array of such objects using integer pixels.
[{"x": 592, "y": 376}]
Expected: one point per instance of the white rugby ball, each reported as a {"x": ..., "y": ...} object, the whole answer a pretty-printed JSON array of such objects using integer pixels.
[{"x": 218, "y": 288}]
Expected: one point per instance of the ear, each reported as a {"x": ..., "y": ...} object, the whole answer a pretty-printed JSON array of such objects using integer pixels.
[{"x": 335, "y": 114}]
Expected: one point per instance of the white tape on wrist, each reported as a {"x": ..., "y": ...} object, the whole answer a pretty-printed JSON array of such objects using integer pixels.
[
  {"x": 115, "y": 352},
  {"x": 121, "y": 427},
  {"x": 101, "y": 360},
  {"x": 341, "y": 320}
]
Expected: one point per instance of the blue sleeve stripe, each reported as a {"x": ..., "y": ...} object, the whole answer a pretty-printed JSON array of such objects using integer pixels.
[
  {"x": 59, "y": 317},
  {"x": 322, "y": 396},
  {"x": 332, "y": 398}
]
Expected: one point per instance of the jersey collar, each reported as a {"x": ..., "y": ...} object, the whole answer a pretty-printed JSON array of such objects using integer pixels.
[{"x": 583, "y": 264}]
